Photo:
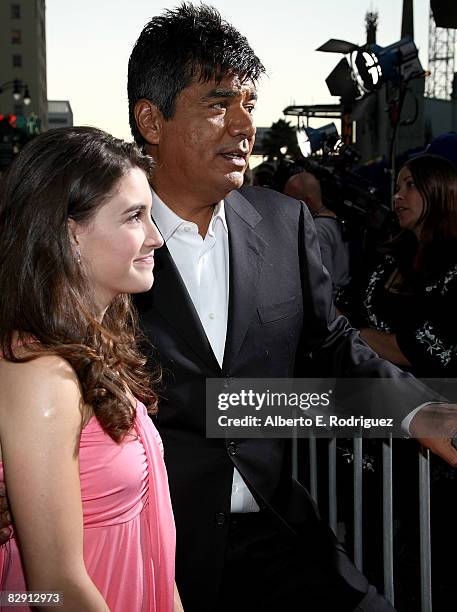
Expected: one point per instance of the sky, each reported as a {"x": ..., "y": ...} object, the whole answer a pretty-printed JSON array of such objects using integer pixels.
[{"x": 89, "y": 43}]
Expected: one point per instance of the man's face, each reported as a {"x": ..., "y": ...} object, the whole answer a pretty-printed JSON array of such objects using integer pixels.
[{"x": 203, "y": 151}]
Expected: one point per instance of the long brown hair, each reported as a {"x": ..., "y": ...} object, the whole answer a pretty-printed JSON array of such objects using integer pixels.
[
  {"x": 436, "y": 180},
  {"x": 65, "y": 174}
]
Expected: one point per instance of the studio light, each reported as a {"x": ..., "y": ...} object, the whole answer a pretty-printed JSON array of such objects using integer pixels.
[
  {"x": 311, "y": 140},
  {"x": 370, "y": 66}
]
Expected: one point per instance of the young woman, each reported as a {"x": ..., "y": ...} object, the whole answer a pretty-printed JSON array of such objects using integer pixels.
[{"x": 80, "y": 457}]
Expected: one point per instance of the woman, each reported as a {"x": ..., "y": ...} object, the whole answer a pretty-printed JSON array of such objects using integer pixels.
[
  {"x": 411, "y": 296},
  {"x": 81, "y": 459}
]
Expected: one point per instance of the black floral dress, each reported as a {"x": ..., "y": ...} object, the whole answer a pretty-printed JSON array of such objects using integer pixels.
[{"x": 423, "y": 316}]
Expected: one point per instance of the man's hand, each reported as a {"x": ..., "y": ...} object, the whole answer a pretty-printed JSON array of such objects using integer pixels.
[{"x": 434, "y": 426}]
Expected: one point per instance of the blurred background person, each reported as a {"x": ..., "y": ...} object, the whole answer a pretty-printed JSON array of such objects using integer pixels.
[{"x": 330, "y": 228}]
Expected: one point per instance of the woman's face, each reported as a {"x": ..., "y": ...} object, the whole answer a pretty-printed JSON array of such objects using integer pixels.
[
  {"x": 408, "y": 203},
  {"x": 117, "y": 245}
]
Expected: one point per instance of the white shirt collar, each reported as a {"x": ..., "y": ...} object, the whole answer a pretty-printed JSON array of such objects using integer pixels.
[{"x": 168, "y": 221}]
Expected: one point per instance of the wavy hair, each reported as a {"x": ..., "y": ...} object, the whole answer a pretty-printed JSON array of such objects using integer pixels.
[{"x": 63, "y": 174}]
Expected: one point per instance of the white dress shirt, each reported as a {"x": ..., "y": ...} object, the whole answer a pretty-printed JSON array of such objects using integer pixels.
[{"x": 203, "y": 264}]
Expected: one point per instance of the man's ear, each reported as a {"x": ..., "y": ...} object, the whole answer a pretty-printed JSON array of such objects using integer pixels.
[{"x": 149, "y": 121}]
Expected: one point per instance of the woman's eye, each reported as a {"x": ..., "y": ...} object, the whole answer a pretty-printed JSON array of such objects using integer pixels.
[{"x": 136, "y": 218}]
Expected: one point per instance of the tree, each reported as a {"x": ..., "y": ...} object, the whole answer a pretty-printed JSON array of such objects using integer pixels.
[{"x": 281, "y": 140}]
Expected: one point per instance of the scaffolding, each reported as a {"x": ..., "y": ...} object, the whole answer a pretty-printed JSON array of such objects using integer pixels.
[{"x": 441, "y": 60}]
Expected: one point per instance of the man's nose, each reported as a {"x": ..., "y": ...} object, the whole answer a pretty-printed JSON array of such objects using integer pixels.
[{"x": 241, "y": 123}]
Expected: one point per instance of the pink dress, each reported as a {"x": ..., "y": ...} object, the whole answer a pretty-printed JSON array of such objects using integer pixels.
[{"x": 129, "y": 531}]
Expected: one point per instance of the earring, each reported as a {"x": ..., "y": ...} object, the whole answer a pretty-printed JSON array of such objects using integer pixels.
[{"x": 78, "y": 256}]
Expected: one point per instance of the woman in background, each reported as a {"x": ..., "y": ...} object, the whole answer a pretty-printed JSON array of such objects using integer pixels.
[
  {"x": 80, "y": 457},
  {"x": 411, "y": 297}
]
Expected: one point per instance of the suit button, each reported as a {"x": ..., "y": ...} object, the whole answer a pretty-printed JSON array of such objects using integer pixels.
[
  {"x": 226, "y": 382},
  {"x": 220, "y": 519},
  {"x": 232, "y": 448}
]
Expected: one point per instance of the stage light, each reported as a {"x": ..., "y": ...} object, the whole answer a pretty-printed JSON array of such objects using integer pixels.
[
  {"x": 374, "y": 65},
  {"x": 370, "y": 66},
  {"x": 311, "y": 140},
  {"x": 367, "y": 70},
  {"x": 340, "y": 82}
]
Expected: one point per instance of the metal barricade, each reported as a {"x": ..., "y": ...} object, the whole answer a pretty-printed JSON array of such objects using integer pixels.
[{"x": 387, "y": 507}]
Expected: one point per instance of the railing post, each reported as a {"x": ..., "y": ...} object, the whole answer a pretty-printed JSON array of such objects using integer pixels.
[
  {"x": 313, "y": 468},
  {"x": 424, "y": 531},
  {"x": 358, "y": 515},
  {"x": 295, "y": 455},
  {"x": 332, "y": 493},
  {"x": 387, "y": 520}
]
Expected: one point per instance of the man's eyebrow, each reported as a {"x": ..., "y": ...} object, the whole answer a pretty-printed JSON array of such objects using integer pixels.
[{"x": 218, "y": 92}]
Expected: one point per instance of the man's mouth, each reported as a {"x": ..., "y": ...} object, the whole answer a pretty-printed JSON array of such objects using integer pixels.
[
  {"x": 234, "y": 155},
  {"x": 238, "y": 153}
]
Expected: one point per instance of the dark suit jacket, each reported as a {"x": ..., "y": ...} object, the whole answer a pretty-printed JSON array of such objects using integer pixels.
[{"x": 280, "y": 313}]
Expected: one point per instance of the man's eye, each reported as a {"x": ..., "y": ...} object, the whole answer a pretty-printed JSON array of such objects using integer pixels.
[
  {"x": 219, "y": 105},
  {"x": 250, "y": 108}
]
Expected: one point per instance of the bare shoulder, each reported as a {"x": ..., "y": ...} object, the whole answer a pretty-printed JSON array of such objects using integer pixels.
[{"x": 45, "y": 387}]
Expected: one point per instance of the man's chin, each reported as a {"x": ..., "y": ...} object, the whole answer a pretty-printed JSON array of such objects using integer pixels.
[{"x": 235, "y": 179}]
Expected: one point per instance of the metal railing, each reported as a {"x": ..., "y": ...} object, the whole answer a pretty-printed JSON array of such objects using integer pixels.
[{"x": 388, "y": 532}]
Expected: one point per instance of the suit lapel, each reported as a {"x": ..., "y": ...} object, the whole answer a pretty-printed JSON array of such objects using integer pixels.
[
  {"x": 171, "y": 299},
  {"x": 247, "y": 252}
]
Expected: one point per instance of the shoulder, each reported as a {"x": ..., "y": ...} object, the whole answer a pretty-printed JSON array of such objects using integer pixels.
[
  {"x": 263, "y": 197},
  {"x": 327, "y": 225},
  {"x": 44, "y": 388},
  {"x": 271, "y": 204}
]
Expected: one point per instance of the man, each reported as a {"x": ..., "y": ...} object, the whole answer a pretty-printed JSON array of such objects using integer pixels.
[
  {"x": 239, "y": 292},
  {"x": 331, "y": 231}
]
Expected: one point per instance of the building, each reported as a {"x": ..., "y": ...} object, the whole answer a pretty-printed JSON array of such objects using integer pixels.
[
  {"x": 59, "y": 114},
  {"x": 23, "y": 58}
]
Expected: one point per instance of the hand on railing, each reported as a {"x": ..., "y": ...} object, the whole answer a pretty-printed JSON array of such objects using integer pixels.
[{"x": 435, "y": 427}]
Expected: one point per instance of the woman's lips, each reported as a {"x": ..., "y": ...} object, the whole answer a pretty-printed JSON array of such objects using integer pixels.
[{"x": 148, "y": 260}]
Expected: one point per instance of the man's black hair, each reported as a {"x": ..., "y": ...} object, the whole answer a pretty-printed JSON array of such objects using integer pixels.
[{"x": 182, "y": 44}]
